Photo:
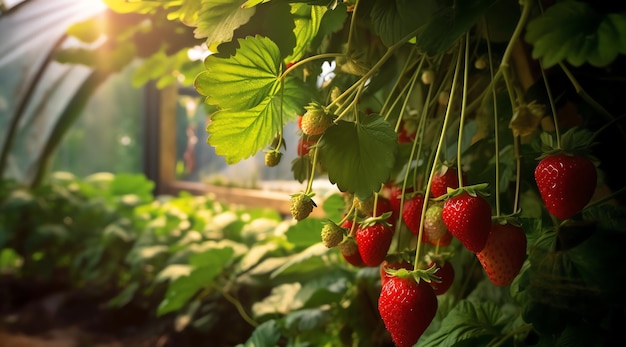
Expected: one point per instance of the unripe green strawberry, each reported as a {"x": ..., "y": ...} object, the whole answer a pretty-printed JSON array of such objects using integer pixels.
[
  {"x": 434, "y": 227},
  {"x": 301, "y": 206},
  {"x": 272, "y": 158},
  {"x": 315, "y": 120},
  {"x": 332, "y": 234}
]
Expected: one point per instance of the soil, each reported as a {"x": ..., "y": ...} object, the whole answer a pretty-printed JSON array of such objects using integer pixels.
[{"x": 32, "y": 315}]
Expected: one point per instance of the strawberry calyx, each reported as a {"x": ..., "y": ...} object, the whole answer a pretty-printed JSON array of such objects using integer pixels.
[
  {"x": 473, "y": 190},
  {"x": 417, "y": 275},
  {"x": 381, "y": 219},
  {"x": 574, "y": 142}
]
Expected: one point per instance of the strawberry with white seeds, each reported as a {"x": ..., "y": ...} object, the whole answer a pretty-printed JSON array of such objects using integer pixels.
[
  {"x": 467, "y": 216},
  {"x": 505, "y": 252},
  {"x": 332, "y": 234}
]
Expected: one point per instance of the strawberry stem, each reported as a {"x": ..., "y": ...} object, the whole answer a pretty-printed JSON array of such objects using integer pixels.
[
  {"x": 437, "y": 154},
  {"x": 463, "y": 111}
]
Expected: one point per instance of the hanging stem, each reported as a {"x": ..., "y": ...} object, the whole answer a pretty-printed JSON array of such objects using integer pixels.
[{"x": 437, "y": 153}]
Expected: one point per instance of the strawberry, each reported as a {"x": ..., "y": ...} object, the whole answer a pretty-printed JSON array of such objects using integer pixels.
[
  {"x": 445, "y": 274},
  {"x": 434, "y": 227},
  {"x": 407, "y": 307},
  {"x": 504, "y": 254},
  {"x": 412, "y": 212},
  {"x": 272, "y": 158},
  {"x": 395, "y": 265},
  {"x": 395, "y": 198},
  {"x": 301, "y": 205},
  {"x": 300, "y": 121},
  {"x": 444, "y": 241},
  {"x": 373, "y": 241},
  {"x": 304, "y": 146},
  {"x": 315, "y": 120},
  {"x": 566, "y": 183},
  {"x": 350, "y": 252},
  {"x": 446, "y": 177},
  {"x": 468, "y": 218},
  {"x": 332, "y": 234}
]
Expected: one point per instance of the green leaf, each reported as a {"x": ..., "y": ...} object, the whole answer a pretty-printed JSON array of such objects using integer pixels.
[
  {"x": 310, "y": 261},
  {"x": 305, "y": 233},
  {"x": 307, "y": 21},
  {"x": 180, "y": 291},
  {"x": 334, "y": 207},
  {"x": 218, "y": 19},
  {"x": 246, "y": 79},
  {"x": 301, "y": 168},
  {"x": 125, "y": 296},
  {"x": 359, "y": 157},
  {"x": 307, "y": 320},
  {"x": 393, "y": 20},
  {"x": 324, "y": 290},
  {"x": 466, "y": 322},
  {"x": 451, "y": 23},
  {"x": 576, "y": 32},
  {"x": 266, "y": 334}
]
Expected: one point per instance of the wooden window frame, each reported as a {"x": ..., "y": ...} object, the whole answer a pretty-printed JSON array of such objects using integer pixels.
[{"x": 160, "y": 158}]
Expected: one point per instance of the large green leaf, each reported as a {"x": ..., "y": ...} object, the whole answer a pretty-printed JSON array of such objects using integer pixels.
[
  {"x": 244, "y": 80},
  {"x": 359, "y": 157},
  {"x": 217, "y": 20},
  {"x": 393, "y": 20},
  {"x": 576, "y": 32},
  {"x": 470, "y": 322},
  {"x": 450, "y": 23},
  {"x": 266, "y": 334},
  {"x": 237, "y": 135},
  {"x": 307, "y": 21}
]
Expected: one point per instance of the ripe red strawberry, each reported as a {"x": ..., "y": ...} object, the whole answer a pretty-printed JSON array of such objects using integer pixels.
[
  {"x": 407, "y": 308},
  {"x": 373, "y": 242},
  {"x": 566, "y": 183},
  {"x": 350, "y": 252},
  {"x": 446, "y": 274},
  {"x": 505, "y": 252},
  {"x": 446, "y": 177},
  {"x": 396, "y": 265},
  {"x": 468, "y": 218},
  {"x": 412, "y": 212}
]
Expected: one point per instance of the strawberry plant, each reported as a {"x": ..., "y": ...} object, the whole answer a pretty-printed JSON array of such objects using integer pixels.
[{"x": 477, "y": 86}]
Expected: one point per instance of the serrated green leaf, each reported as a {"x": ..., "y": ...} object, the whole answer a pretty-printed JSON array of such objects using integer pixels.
[
  {"x": 574, "y": 31},
  {"x": 238, "y": 135},
  {"x": 307, "y": 20},
  {"x": 246, "y": 79},
  {"x": 393, "y": 20},
  {"x": 218, "y": 19},
  {"x": 468, "y": 320},
  {"x": 451, "y": 23},
  {"x": 359, "y": 157}
]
